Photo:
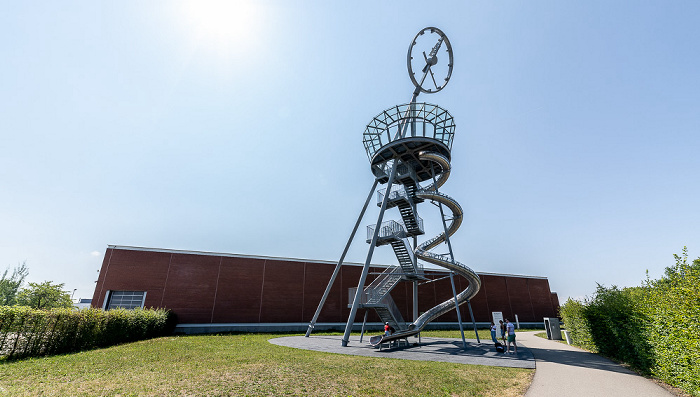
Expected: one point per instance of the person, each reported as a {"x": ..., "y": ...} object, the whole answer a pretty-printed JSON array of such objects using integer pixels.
[
  {"x": 510, "y": 329},
  {"x": 387, "y": 329},
  {"x": 503, "y": 331},
  {"x": 493, "y": 332}
]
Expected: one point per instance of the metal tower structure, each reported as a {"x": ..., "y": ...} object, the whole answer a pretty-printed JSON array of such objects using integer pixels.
[{"x": 409, "y": 150}]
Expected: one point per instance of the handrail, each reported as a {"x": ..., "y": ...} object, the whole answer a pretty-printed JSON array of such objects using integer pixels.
[
  {"x": 436, "y": 123},
  {"x": 394, "y": 311},
  {"x": 387, "y": 229},
  {"x": 397, "y": 191},
  {"x": 374, "y": 290}
]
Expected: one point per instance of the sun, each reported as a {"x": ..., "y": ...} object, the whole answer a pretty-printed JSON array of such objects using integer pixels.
[{"x": 223, "y": 26}]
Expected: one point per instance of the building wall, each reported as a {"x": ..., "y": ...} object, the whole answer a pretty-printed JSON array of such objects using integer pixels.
[{"x": 212, "y": 288}]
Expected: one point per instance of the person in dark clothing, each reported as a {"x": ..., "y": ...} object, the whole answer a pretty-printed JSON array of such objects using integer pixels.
[{"x": 503, "y": 331}]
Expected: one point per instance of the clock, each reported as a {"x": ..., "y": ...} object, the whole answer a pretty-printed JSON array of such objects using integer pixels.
[{"x": 430, "y": 60}]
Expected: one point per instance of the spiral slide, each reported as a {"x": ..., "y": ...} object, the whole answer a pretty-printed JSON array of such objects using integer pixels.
[{"x": 422, "y": 252}]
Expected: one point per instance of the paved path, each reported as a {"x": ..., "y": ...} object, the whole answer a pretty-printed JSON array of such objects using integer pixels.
[
  {"x": 564, "y": 370},
  {"x": 561, "y": 370},
  {"x": 431, "y": 349}
]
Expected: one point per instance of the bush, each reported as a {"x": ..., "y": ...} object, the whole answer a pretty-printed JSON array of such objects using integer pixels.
[
  {"x": 618, "y": 326},
  {"x": 653, "y": 328},
  {"x": 674, "y": 307},
  {"x": 27, "y": 332},
  {"x": 573, "y": 317}
]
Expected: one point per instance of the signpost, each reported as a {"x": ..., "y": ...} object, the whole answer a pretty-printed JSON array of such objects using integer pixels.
[{"x": 497, "y": 317}]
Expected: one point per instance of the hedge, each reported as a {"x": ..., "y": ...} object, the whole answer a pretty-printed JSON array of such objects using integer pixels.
[
  {"x": 27, "y": 332},
  {"x": 653, "y": 328}
]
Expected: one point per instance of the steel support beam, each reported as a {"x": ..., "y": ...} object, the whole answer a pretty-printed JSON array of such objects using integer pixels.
[
  {"x": 459, "y": 315},
  {"x": 471, "y": 313},
  {"x": 365, "y": 269},
  {"x": 452, "y": 257},
  {"x": 364, "y": 322},
  {"x": 415, "y": 282},
  {"x": 340, "y": 262}
]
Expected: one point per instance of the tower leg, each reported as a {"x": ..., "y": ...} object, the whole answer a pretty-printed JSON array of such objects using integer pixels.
[
  {"x": 415, "y": 285},
  {"x": 452, "y": 257},
  {"x": 471, "y": 313},
  {"x": 340, "y": 262},
  {"x": 365, "y": 269},
  {"x": 415, "y": 300},
  {"x": 364, "y": 322},
  {"x": 459, "y": 315}
]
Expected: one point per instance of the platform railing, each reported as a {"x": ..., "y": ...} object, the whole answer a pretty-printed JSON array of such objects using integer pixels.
[
  {"x": 397, "y": 191},
  {"x": 430, "y": 121},
  {"x": 386, "y": 229}
]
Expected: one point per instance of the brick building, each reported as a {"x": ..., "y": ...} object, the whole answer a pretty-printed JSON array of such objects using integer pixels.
[{"x": 218, "y": 291}]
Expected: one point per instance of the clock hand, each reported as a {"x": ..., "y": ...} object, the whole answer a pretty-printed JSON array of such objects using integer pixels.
[
  {"x": 433, "y": 58},
  {"x": 428, "y": 63},
  {"x": 433, "y": 77}
]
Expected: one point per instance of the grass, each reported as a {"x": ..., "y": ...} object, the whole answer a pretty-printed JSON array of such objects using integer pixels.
[
  {"x": 247, "y": 364},
  {"x": 543, "y": 335}
]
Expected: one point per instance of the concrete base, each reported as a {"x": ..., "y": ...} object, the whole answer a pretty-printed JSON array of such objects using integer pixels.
[{"x": 431, "y": 349}]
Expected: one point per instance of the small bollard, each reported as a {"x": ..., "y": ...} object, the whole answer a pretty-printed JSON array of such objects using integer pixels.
[{"x": 567, "y": 336}]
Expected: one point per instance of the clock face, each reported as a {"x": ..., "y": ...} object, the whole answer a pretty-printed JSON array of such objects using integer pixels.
[{"x": 430, "y": 60}]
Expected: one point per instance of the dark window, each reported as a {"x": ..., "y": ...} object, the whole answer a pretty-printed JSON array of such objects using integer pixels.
[{"x": 126, "y": 299}]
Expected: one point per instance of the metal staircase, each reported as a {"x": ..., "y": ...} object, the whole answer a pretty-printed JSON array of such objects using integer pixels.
[
  {"x": 405, "y": 200},
  {"x": 376, "y": 296},
  {"x": 407, "y": 259},
  {"x": 397, "y": 235},
  {"x": 382, "y": 285},
  {"x": 389, "y": 313},
  {"x": 394, "y": 233}
]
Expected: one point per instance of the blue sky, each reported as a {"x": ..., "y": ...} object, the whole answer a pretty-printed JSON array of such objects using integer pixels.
[{"x": 237, "y": 127}]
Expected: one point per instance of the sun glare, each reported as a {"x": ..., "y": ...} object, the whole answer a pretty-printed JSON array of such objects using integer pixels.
[{"x": 226, "y": 27}]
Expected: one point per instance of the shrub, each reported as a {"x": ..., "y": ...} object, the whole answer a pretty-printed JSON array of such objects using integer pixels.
[
  {"x": 27, "y": 332},
  {"x": 674, "y": 307},
  {"x": 618, "y": 327},
  {"x": 654, "y": 328},
  {"x": 572, "y": 314}
]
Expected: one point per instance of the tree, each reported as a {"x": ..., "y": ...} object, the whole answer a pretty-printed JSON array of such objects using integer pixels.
[
  {"x": 10, "y": 285},
  {"x": 44, "y": 295}
]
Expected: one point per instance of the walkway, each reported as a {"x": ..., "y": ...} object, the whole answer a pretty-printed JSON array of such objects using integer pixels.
[
  {"x": 431, "y": 349},
  {"x": 564, "y": 370},
  {"x": 561, "y": 370}
]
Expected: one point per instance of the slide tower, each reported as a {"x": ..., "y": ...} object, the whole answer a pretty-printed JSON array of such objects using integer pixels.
[{"x": 409, "y": 150}]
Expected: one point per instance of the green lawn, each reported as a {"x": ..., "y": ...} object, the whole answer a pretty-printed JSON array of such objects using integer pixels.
[{"x": 247, "y": 364}]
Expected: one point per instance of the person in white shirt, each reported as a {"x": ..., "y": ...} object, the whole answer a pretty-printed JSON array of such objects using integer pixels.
[{"x": 510, "y": 330}]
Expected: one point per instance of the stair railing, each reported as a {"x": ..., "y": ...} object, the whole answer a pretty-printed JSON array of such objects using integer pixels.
[
  {"x": 387, "y": 229},
  {"x": 397, "y": 191},
  {"x": 381, "y": 285},
  {"x": 395, "y": 312}
]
